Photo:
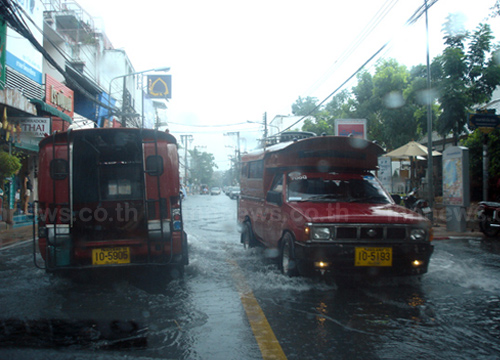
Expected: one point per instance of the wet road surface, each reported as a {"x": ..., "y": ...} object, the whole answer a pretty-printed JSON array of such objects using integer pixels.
[{"x": 452, "y": 313}]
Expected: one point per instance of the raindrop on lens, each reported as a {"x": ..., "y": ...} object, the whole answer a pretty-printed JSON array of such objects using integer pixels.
[{"x": 394, "y": 100}]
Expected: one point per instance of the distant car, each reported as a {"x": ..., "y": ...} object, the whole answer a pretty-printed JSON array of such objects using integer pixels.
[
  {"x": 234, "y": 193},
  {"x": 215, "y": 190}
]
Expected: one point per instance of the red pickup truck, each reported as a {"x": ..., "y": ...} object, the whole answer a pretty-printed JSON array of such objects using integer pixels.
[{"x": 316, "y": 206}]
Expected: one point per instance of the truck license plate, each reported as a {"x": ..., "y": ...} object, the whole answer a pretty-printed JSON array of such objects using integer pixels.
[
  {"x": 110, "y": 256},
  {"x": 373, "y": 256}
]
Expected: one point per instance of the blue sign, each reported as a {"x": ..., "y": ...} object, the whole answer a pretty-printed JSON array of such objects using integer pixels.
[{"x": 23, "y": 67}]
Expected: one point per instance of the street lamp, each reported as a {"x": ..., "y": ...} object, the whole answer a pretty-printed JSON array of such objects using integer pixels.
[
  {"x": 131, "y": 74},
  {"x": 255, "y": 122},
  {"x": 264, "y": 140}
]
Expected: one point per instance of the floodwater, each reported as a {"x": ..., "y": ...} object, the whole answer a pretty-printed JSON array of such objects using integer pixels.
[{"x": 453, "y": 312}]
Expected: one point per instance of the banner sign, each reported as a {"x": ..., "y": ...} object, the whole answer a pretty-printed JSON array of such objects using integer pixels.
[
  {"x": 384, "y": 172},
  {"x": 456, "y": 176},
  {"x": 160, "y": 86},
  {"x": 58, "y": 95},
  {"x": 351, "y": 127}
]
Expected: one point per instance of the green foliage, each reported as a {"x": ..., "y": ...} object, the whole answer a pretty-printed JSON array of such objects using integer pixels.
[
  {"x": 9, "y": 164},
  {"x": 395, "y": 100},
  {"x": 391, "y": 101},
  {"x": 466, "y": 74},
  {"x": 305, "y": 106},
  {"x": 202, "y": 166},
  {"x": 475, "y": 144}
]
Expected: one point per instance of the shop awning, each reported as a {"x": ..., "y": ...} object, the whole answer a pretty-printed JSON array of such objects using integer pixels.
[{"x": 42, "y": 106}]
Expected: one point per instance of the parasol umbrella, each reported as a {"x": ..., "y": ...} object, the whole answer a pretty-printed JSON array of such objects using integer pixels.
[{"x": 411, "y": 149}]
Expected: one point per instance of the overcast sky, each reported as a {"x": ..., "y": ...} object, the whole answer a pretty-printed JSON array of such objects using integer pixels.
[{"x": 231, "y": 61}]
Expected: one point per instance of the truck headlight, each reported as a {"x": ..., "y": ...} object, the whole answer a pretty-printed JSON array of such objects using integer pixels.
[
  {"x": 417, "y": 234},
  {"x": 320, "y": 233}
]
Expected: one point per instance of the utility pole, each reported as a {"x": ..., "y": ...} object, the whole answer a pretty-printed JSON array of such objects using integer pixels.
[
  {"x": 485, "y": 167},
  {"x": 185, "y": 139},
  {"x": 430, "y": 177},
  {"x": 238, "y": 152},
  {"x": 265, "y": 129},
  {"x": 125, "y": 103}
]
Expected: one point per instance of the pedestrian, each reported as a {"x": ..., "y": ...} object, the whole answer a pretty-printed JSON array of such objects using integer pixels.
[
  {"x": 17, "y": 201},
  {"x": 27, "y": 187}
]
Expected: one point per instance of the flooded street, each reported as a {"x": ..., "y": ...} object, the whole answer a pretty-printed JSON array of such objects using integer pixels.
[{"x": 452, "y": 313}]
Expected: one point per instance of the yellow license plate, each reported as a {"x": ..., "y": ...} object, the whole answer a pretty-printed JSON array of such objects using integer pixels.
[
  {"x": 109, "y": 256},
  {"x": 373, "y": 256}
]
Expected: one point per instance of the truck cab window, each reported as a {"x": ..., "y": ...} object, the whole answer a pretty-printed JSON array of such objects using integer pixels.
[{"x": 277, "y": 183}]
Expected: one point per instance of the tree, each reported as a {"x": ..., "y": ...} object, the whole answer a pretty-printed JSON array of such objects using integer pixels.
[
  {"x": 9, "y": 165},
  {"x": 202, "y": 166},
  {"x": 305, "y": 106},
  {"x": 387, "y": 101},
  {"x": 324, "y": 120},
  {"x": 418, "y": 94},
  {"x": 475, "y": 144},
  {"x": 466, "y": 78}
]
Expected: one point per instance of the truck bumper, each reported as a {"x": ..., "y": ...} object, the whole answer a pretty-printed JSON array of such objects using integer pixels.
[{"x": 408, "y": 259}]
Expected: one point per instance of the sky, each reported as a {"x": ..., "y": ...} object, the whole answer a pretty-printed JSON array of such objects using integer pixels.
[{"x": 232, "y": 61}]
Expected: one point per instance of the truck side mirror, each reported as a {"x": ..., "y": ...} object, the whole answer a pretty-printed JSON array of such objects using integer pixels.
[{"x": 274, "y": 197}]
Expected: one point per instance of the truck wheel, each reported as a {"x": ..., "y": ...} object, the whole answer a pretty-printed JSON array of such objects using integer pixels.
[
  {"x": 247, "y": 236},
  {"x": 288, "y": 263}
]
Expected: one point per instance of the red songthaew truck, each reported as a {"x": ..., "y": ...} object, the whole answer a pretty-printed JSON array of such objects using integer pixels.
[
  {"x": 109, "y": 197},
  {"x": 316, "y": 205}
]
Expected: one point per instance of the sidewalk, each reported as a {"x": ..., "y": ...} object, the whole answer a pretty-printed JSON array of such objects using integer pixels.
[
  {"x": 9, "y": 235},
  {"x": 440, "y": 232}
]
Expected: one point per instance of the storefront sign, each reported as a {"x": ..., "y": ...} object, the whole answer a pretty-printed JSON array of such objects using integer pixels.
[
  {"x": 484, "y": 121},
  {"x": 22, "y": 56},
  {"x": 351, "y": 127},
  {"x": 58, "y": 95},
  {"x": 160, "y": 86},
  {"x": 32, "y": 130}
]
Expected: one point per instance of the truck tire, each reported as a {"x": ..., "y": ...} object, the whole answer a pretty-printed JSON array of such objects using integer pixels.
[
  {"x": 287, "y": 260},
  {"x": 247, "y": 236}
]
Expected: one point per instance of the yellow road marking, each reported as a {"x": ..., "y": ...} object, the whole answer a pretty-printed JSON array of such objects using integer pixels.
[{"x": 269, "y": 346}]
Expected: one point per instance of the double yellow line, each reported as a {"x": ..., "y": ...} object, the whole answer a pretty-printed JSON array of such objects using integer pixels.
[{"x": 269, "y": 346}]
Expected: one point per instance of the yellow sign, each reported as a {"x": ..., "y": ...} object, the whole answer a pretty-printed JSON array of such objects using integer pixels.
[{"x": 160, "y": 86}]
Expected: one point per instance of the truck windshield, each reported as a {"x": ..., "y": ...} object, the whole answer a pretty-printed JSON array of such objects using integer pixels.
[{"x": 353, "y": 188}]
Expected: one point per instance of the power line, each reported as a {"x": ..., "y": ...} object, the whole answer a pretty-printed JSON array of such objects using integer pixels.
[
  {"x": 372, "y": 24},
  {"x": 413, "y": 18},
  {"x": 18, "y": 24},
  {"x": 223, "y": 125}
]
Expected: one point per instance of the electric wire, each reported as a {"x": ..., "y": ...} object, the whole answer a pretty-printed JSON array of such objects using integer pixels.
[
  {"x": 219, "y": 125},
  {"x": 417, "y": 14},
  {"x": 16, "y": 21},
  {"x": 361, "y": 37}
]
